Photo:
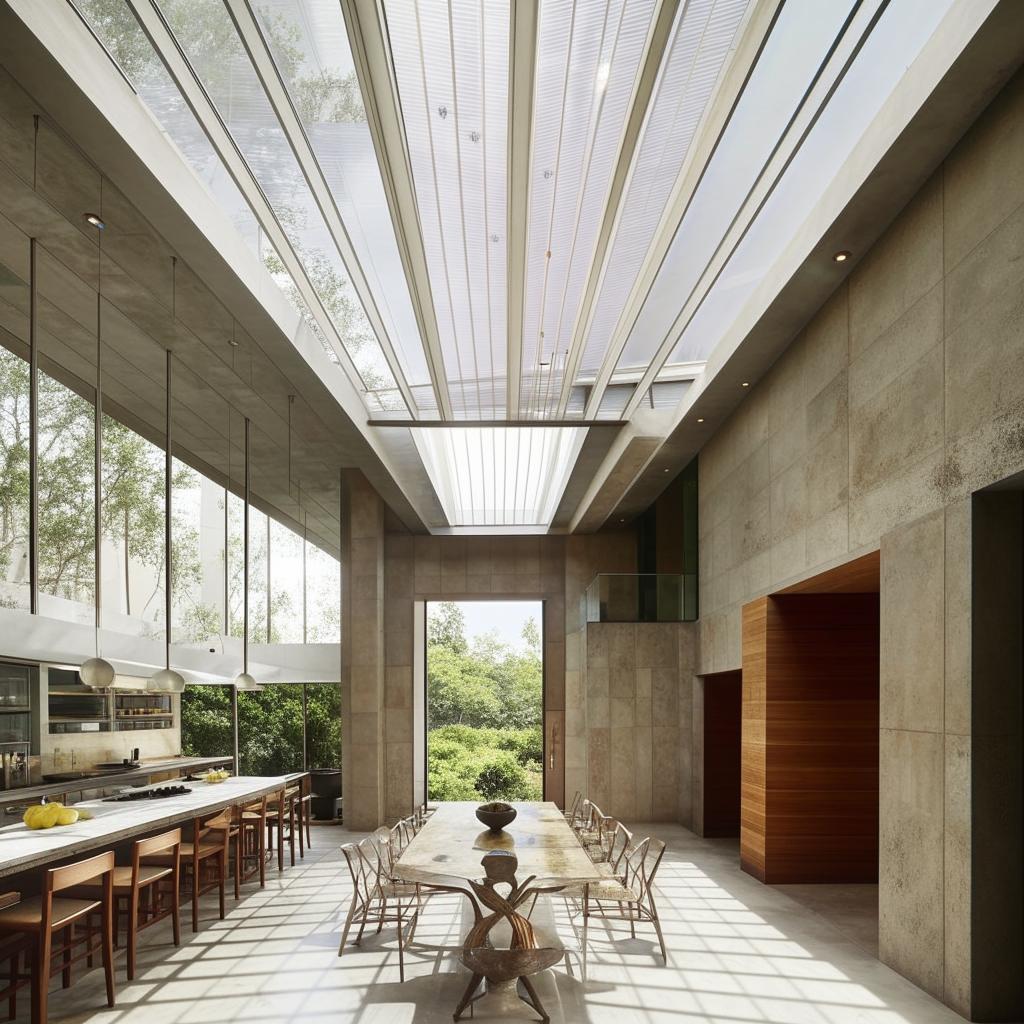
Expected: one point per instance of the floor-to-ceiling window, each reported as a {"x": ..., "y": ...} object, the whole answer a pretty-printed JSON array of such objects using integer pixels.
[{"x": 484, "y": 700}]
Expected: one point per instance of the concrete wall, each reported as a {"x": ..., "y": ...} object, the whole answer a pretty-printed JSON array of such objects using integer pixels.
[{"x": 903, "y": 395}]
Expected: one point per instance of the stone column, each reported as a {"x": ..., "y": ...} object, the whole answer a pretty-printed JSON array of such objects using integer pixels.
[{"x": 362, "y": 652}]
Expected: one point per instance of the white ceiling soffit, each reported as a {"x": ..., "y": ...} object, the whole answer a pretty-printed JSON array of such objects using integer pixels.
[{"x": 928, "y": 98}]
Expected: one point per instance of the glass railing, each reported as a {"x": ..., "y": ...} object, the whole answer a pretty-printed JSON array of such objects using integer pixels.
[{"x": 642, "y": 597}]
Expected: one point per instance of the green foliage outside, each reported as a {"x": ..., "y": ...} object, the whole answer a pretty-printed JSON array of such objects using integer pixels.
[
  {"x": 484, "y": 701},
  {"x": 269, "y": 726}
]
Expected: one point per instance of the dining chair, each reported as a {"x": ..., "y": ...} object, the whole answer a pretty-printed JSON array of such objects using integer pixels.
[
  {"x": 570, "y": 814},
  {"x": 247, "y": 843},
  {"x": 137, "y": 886},
  {"x": 628, "y": 898},
  {"x": 38, "y": 919},
  {"x": 281, "y": 823},
  {"x": 376, "y": 898}
]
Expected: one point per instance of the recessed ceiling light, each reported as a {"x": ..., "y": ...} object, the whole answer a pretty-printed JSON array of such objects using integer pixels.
[
  {"x": 664, "y": 471},
  {"x": 842, "y": 256},
  {"x": 700, "y": 419},
  {"x": 95, "y": 220},
  {"x": 745, "y": 384},
  {"x": 232, "y": 343},
  {"x": 622, "y": 520}
]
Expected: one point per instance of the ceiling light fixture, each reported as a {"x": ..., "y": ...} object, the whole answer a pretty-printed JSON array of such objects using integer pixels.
[
  {"x": 842, "y": 256},
  {"x": 745, "y": 384},
  {"x": 700, "y": 419},
  {"x": 95, "y": 220},
  {"x": 96, "y": 672}
]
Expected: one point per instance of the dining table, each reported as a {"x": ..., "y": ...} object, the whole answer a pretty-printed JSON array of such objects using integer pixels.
[{"x": 498, "y": 871}]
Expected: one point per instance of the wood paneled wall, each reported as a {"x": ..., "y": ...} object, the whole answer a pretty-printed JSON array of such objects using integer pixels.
[
  {"x": 723, "y": 698},
  {"x": 809, "y": 783}
]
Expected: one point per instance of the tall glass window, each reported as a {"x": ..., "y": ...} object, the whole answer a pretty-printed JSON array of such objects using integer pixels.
[
  {"x": 270, "y": 730},
  {"x": 197, "y": 554},
  {"x": 285, "y": 585},
  {"x": 67, "y": 535},
  {"x": 133, "y": 532},
  {"x": 14, "y": 481},
  {"x": 206, "y": 727},
  {"x": 323, "y": 725},
  {"x": 323, "y": 596},
  {"x": 259, "y": 561},
  {"x": 236, "y": 564}
]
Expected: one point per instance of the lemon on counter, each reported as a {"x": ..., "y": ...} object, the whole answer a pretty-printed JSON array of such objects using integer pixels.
[
  {"x": 84, "y": 815},
  {"x": 43, "y": 815},
  {"x": 67, "y": 816},
  {"x": 48, "y": 815}
]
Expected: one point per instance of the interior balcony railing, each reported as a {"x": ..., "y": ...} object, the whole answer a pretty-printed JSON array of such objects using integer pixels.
[{"x": 642, "y": 597}]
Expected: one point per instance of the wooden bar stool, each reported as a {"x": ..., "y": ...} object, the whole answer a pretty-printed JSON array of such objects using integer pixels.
[
  {"x": 281, "y": 824},
  {"x": 304, "y": 812},
  {"x": 207, "y": 851},
  {"x": 37, "y": 918},
  {"x": 248, "y": 842},
  {"x": 137, "y": 880}
]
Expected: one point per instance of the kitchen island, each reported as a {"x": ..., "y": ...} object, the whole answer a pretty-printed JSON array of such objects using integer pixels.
[{"x": 24, "y": 849}]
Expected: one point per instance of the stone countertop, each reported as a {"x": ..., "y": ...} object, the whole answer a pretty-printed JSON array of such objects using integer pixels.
[
  {"x": 22, "y": 848},
  {"x": 108, "y": 780}
]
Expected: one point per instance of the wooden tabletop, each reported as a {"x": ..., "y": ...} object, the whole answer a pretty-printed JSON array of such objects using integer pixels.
[
  {"x": 452, "y": 842},
  {"x": 22, "y": 848}
]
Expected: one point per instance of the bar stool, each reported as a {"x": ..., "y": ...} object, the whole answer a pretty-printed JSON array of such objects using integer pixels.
[
  {"x": 133, "y": 881},
  {"x": 304, "y": 812},
  {"x": 12, "y": 949},
  {"x": 208, "y": 848},
  {"x": 248, "y": 842},
  {"x": 38, "y": 917},
  {"x": 281, "y": 809}
]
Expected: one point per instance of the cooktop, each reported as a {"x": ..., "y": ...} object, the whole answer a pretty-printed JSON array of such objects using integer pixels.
[{"x": 156, "y": 793}]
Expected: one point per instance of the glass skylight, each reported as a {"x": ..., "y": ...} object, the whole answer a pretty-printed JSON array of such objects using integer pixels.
[
  {"x": 499, "y": 476},
  {"x": 451, "y": 66}
]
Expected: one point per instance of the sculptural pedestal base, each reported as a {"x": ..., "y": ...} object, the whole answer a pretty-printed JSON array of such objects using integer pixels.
[{"x": 502, "y": 1000}]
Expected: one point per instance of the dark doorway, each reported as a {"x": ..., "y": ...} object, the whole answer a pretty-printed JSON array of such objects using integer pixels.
[{"x": 723, "y": 708}]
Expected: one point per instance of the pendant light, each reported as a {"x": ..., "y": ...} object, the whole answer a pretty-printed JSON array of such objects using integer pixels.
[
  {"x": 97, "y": 673},
  {"x": 244, "y": 681},
  {"x": 167, "y": 680}
]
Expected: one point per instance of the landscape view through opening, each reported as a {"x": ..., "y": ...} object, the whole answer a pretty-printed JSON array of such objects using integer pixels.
[{"x": 485, "y": 674}]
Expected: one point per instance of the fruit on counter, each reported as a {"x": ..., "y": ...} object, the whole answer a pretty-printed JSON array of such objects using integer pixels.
[
  {"x": 67, "y": 816},
  {"x": 216, "y": 775},
  {"x": 84, "y": 815},
  {"x": 48, "y": 815}
]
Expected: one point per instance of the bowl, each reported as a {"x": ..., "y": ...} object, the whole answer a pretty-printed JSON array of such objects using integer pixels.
[{"x": 496, "y": 815}]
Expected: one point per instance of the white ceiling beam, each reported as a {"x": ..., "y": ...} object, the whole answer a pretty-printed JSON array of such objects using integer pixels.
[
  {"x": 655, "y": 48},
  {"x": 253, "y": 39},
  {"x": 521, "y": 88},
  {"x": 839, "y": 61},
  {"x": 160, "y": 36},
  {"x": 371, "y": 53},
  {"x": 752, "y": 38}
]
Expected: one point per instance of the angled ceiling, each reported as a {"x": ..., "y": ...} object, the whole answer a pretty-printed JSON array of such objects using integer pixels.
[{"x": 529, "y": 237}]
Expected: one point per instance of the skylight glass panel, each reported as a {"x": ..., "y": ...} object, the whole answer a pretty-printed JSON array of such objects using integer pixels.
[
  {"x": 896, "y": 41},
  {"x": 312, "y": 53},
  {"x": 799, "y": 43},
  {"x": 499, "y": 476},
  {"x": 588, "y": 60},
  {"x": 209, "y": 41},
  {"x": 451, "y": 66}
]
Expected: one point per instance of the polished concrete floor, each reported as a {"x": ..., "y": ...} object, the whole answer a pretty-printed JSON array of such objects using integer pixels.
[{"x": 738, "y": 952}]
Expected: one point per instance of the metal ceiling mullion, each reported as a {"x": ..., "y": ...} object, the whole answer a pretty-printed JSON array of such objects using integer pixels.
[
  {"x": 184, "y": 77},
  {"x": 754, "y": 35},
  {"x": 253, "y": 39},
  {"x": 521, "y": 87},
  {"x": 855, "y": 32},
  {"x": 371, "y": 53},
  {"x": 655, "y": 50}
]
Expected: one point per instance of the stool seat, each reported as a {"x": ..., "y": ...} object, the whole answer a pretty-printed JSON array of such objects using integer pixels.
[
  {"x": 148, "y": 874},
  {"x": 27, "y": 915},
  {"x": 187, "y": 852}
]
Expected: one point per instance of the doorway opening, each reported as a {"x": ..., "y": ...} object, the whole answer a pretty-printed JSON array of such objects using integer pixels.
[{"x": 484, "y": 682}]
